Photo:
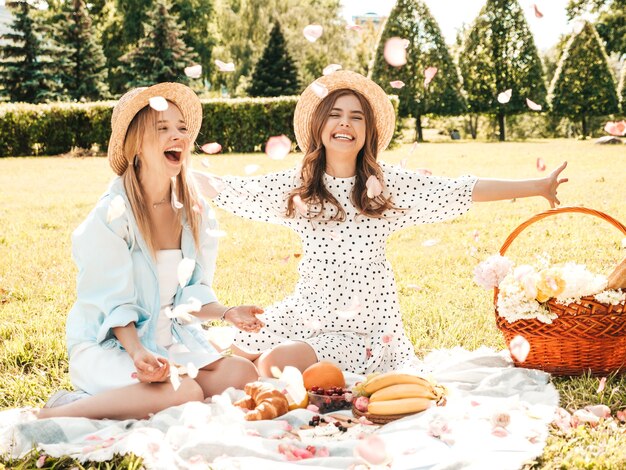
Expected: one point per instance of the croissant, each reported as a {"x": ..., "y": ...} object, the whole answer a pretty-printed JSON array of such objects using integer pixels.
[
  {"x": 263, "y": 402},
  {"x": 617, "y": 279}
]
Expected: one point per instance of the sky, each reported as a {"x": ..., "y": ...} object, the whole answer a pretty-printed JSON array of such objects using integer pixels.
[{"x": 451, "y": 14}]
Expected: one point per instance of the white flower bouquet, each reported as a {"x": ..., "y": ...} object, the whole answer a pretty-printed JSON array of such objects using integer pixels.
[{"x": 523, "y": 291}]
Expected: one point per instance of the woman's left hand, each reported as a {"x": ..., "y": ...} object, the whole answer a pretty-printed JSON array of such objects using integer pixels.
[
  {"x": 245, "y": 318},
  {"x": 552, "y": 182}
]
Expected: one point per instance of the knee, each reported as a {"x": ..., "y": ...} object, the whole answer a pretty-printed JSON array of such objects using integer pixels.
[
  {"x": 244, "y": 370},
  {"x": 189, "y": 390}
]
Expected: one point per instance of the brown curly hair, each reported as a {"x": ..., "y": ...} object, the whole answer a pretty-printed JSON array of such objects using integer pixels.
[{"x": 314, "y": 193}]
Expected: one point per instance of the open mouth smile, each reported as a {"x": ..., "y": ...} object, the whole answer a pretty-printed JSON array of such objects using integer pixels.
[
  {"x": 342, "y": 136},
  {"x": 173, "y": 154}
]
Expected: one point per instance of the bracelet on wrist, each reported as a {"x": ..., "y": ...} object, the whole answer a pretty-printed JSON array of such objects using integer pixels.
[{"x": 223, "y": 317}]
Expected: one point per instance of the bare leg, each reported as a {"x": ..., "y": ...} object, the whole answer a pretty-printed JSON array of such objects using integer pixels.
[
  {"x": 241, "y": 353},
  {"x": 134, "y": 401},
  {"x": 231, "y": 371},
  {"x": 290, "y": 353}
]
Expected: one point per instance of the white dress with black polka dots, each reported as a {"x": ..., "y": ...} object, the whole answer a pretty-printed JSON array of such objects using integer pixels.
[{"x": 345, "y": 304}]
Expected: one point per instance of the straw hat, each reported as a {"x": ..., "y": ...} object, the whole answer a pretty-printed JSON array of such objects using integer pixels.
[
  {"x": 138, "y": 98},
  {"x": 384, "y": 113}
]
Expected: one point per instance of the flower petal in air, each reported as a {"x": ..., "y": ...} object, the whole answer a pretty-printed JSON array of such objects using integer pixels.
[
  {"x": 395, "y": 51},
  {"x": 225, "y": 66},
  {"x": 351, "y": 310},
  {"x": 215, "y": 233},
  {"x": 520, "y": 347},
  {"x": 431, "y": 242},
  {"x": 116, "y": 209},
  {"x": 617, "y": 128},
  {"x": 194, "y": 71},
  {"x": 353, "y": 27},
  {"x": 320, "y": 90},
  {"x": 334, "y": 235},
  {"x": 397, "y": 84},
  {"x": 174, "y": 378},
  {"x": 249, "y": 169},
  {"x": 601, "y": 385},
  {"x": 185, "y": 270},
  {"x": 278, "y": 147},
  {"x": 211, "y": 148},
  {"x": 192, "y": 370},
  {"x": 403, "y": 163},
  {"x": 373, "y": 450},
  {"x": 532, "y": 105},
  {"x": 301, "y": 207},
  {"x": 505, "y": 96},
  {"x": 374, "y": 188},
  {"x": 541, "y": 165},
  {"x": 313, "y": 32},
  {"x": 158, "y": 103},
  {"x": 538, "y": 14},
  {"x": 331, "y": 68},
  {"x": 429, "y": 74}
]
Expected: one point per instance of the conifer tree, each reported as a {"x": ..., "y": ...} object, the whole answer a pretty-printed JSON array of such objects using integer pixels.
[
  {"x": 411, "y": 20},
  {"x": 610, "y": 21},
  {"x": 499, "y": 54},
  {"x": 622, "y": 88},
  {"x": 26, "y": 68},
  {"x": 275, "y": 73},
  {"x": 583, "y": 85},
  {"x": 161, "y": 54},
  {"x": 82, "y": 65}
]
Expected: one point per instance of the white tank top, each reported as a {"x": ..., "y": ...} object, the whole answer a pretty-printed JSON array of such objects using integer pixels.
[{"x": 167, "y": 268}]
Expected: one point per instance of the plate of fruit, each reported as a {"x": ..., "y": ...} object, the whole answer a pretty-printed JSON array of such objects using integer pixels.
[{"x": 393, "y": 395}]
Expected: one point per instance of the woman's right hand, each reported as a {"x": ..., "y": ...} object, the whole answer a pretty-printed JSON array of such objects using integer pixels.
[{"x": 150, "y": 368}]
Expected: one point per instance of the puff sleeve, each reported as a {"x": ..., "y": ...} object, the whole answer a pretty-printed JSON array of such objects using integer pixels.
[
  {"x": 427, "y": 199},
  {"x": 262, "y": 198}
]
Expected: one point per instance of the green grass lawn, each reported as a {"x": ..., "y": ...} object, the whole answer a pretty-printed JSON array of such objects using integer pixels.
[{"x": 43, "y": 199}]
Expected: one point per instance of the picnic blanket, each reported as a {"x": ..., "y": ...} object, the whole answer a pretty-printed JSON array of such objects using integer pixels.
[{"x": 485, "y": 390}]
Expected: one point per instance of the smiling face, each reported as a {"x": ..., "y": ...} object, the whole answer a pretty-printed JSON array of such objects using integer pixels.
[
  {"x": 165, "y": 145},
  {"x": 344, "y": 131}
]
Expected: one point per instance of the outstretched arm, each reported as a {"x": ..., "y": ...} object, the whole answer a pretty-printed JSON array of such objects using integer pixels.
[
  {"x": 496, "y": 190},
  {"x": 207, "y": 184}
]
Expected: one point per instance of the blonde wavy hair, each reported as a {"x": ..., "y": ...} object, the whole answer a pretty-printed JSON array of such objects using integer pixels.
[{"x": 182, "y": 185}]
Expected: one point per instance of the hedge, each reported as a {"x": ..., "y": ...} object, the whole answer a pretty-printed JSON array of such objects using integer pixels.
[{"x": 239, "y": 125}]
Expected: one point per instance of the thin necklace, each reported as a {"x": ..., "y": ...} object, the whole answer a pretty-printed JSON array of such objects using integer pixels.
[{"x": 162, "y": 201}]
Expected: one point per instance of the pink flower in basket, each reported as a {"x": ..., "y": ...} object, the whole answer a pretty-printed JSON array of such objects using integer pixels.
[{"x": 490, "y": 272}]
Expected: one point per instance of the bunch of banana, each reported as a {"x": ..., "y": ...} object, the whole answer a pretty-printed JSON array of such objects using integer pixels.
[{"x": 395, "y": 393}]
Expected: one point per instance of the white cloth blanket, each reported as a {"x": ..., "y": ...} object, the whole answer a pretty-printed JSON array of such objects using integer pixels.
[{"x": 482, "y": 384}]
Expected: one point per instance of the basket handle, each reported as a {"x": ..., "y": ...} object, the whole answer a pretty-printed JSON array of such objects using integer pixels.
[{"x": 560, "y": 210}]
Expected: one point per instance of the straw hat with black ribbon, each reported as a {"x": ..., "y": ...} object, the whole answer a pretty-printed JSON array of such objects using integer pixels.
[
  {"x": 138, "y": 98},
  {"x": 384, "y": 113}
]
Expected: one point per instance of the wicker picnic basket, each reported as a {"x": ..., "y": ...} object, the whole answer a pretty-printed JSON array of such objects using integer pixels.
[{"x": 586, "y": 336}]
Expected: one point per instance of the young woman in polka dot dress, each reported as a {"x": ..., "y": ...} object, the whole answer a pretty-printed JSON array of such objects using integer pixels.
[{"x": 344, "y": 205}]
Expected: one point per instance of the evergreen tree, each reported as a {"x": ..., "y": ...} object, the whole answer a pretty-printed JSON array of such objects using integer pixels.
[
  {"x": 82, "y": 65},
  {"x": 243, "y": 28},
  {"x": 197, "y": 17},
  {"x": 275, "y": 73},
  {"x": 411, "y": 20},
  {"x": 161, "y": 54},
  {"x": 622, "y": 88},
  {"x": 610, "y": 22},
  {"x": 583, "y": 85},
  {"x": 499, "y": 53},
  {"x": 26, "y": 69}
]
